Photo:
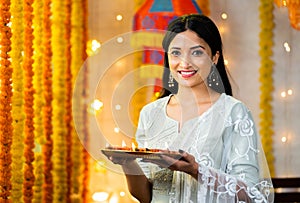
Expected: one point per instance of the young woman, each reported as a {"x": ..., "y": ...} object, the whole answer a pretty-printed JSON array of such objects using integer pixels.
[{"x": 196, "y": 115}]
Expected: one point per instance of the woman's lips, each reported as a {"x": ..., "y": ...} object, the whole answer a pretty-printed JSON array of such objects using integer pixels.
[{"x": 187, "y": 73}]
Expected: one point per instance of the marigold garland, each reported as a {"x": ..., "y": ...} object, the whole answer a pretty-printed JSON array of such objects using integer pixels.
[
  {"x": 17, "y": 100},
  {"x": 28, "y": 104},
  {"x": 68, "y": 102},
  {"x": 47, "y": 148},
  {"x": 77, "y": 48},
  {"x": 59, "y": 127},
  {"x": 38, "y": 97},
  {"x": 265, "y": 78},
  {"x": 86, "y": 156},
  {"x": 6, "y": 128},
  {"x": 38, "y": 71},
  {"x": 38, "y": 165}
]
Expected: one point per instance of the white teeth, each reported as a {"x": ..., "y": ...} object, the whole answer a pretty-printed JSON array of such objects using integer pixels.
[{"x": 187, "y": 73}]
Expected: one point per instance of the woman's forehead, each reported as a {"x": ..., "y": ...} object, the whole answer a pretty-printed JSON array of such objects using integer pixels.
[{"x": 187, "y": 37}]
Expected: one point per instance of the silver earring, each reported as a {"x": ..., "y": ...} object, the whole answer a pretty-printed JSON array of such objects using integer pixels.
[
  {"x": 213, "y": 77},
  {"x": 171, "y": 80}
]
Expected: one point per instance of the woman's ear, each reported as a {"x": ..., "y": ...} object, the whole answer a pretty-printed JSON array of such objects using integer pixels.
[{"x": 216, "y": 57}]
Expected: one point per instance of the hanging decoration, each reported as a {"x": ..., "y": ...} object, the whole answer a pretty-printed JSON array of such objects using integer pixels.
[
  {"x": 38, "y": 173},
  {"x": 28, "y": 103},
  {"x": 294, "y": 11},
  {"x": 47, "y": 148},
  {"x": 137, "y": 4},
  {"x": 266, "y": 81},
  {"x": 17, "y": 100},
  {"x": 76, "y": 50},
  {"x": 205, "y": 6},
  {"x": 32, "y": 106},
  {"x": 38, "y": 71},
  {"x": 38, "y": 99},
  {"x": 58, "y": 103},
  {"x": 68, "y": 102},
  {"x": 6, "y": 128},
  {"x": 86, "y": 155}
]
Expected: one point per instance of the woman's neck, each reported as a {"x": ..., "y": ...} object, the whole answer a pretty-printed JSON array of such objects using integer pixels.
[
  {"x": 188, "y": 95},
  {"x": 189, "y": 103}
]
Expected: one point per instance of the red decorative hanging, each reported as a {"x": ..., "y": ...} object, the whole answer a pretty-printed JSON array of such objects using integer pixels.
[{"x": 156, "y": 14}]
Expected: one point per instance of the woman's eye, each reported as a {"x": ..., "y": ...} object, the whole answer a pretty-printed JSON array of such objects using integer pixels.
[
  {"x": 197, "y": 53},
  {"x": 175, "y": 53}
]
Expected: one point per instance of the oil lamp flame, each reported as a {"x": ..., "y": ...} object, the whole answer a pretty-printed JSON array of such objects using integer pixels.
[
  {"x": 123, "y": 143},
  {"x": 133, "y": 147}
]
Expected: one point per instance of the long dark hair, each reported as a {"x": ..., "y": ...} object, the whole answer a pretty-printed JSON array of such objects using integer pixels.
[{"x": 206, "y": 29}]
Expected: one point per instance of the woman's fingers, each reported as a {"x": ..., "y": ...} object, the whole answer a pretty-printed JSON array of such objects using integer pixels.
[
  {"x": 186, "y": 156},
  {"x": 165, "y": 161},
  {"x": 120, "y": 161},
  {"x": 185, "y": 164}
]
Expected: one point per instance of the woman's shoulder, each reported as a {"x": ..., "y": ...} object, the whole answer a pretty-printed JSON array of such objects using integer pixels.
[
  {"x": 158, "y": 103},
  {"x": 235, "y": 105},
  {"x": 232, "y": 101},
  {"x": 154, "y": 109}
]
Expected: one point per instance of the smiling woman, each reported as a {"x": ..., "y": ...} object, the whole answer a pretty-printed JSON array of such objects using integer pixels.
[{"x": 215, "y": 134}]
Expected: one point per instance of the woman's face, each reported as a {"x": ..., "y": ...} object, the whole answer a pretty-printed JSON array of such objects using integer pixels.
[{"x": 190, "y": 59}]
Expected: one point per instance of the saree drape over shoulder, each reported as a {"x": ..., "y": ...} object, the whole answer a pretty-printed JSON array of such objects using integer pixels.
[{"x": 224, "y": 142}]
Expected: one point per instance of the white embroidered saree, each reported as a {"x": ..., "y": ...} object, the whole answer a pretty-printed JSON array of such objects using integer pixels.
[{"x": 225, "y": 143}]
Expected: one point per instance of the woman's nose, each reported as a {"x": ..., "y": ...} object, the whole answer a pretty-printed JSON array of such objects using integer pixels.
[{"x": 184, "y": 63}]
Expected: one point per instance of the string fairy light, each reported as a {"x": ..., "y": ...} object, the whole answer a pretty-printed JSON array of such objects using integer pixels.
[
  {"x": 119, "y": 17},
  {"x": 224, "y": 16},
  {"x": 284, "y": 139}
]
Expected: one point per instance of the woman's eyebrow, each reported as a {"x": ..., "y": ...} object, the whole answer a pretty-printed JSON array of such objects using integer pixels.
[
  {"x": 194, "y": 47},
  {"x": 198, "y": 46},
  {"x": 175, "y": 48}
]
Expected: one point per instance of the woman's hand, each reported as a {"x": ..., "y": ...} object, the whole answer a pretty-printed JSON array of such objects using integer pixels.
[
  {"x": 138, "y": 184},
  {"x": 121, "y": 160},
  {"x": 185, "y": 164}
]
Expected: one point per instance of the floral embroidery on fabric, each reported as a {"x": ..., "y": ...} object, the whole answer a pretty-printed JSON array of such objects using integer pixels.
[
  {"x": 261, "y": 195},
  {"x": 230, "y": 186},
  {"x": 244, "y": 126},
  {"x": 206, "y": 160},
  {"x": 227, "y": 186}
]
